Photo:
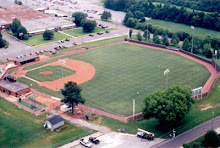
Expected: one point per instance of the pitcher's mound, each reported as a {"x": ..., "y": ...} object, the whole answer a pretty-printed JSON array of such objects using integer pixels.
[{"x": 46, "y": 73}]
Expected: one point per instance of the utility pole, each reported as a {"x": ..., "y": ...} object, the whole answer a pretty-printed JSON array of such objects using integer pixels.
[
  {"x": 174, "y": 133},
  {"x": 192, "y": 38}
]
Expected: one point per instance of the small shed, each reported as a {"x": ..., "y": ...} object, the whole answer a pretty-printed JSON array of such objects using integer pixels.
[{"x": 54, "y": 122}]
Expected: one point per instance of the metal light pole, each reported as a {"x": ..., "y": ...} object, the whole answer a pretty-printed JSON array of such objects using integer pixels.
[
  {"x": 134, "y": 106},
  {"x": 174, "y": 135},
  {"x": 147, "y": 32},
  {"x": 192, "y": 38},
  {"x": 62, "y": 62},
  {"x": 213, "y": 113},
  {"x": 166, "y": 73}
]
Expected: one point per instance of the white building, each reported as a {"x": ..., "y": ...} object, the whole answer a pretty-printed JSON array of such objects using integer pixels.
[{"x": 54, "y": 122}]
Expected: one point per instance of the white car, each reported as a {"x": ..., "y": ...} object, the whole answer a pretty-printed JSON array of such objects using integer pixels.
[{"x": 85, "y": 143}]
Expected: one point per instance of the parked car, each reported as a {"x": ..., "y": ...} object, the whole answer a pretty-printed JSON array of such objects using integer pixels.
[
  {"x": 64, "y": 47},
  {"x": 99, "y": 33},
  {"x": 41, "y": 52},
  {"x": 62, "y": 41},
  {"x": 31, "y": 53},
  {"x": 56, "y": 48},
  {"x": 45, "y": 50},
  {"x": 107, "y": 31},
  {"x": 91, "y": 35},
  {"x": 85, "y": 143},
  {"x": 94, "y": 140},
  {"x": 37, "y": 52},
  {"x": 74, "y": 43},
  {"x": 67, "y": 40}
]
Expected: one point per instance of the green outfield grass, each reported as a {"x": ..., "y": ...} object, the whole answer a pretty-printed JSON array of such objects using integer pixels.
[
  {"x": 19, "y": 128},
  {"x": 80, "y": 32},
  {"x": 123, "y": 69},
  {"x": 39, "y": 40},
  {"x": 174, "y": 27},
  {"x": 56, "y": 73}
]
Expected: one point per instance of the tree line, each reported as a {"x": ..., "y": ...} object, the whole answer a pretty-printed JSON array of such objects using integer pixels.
[
  {"x": 166, "y": 12},
  {"x": 203, "y": 5}
]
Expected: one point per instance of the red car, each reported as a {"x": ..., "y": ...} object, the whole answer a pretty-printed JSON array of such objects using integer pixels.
[
  {"x": 45, "y": 50},
  {"x": 74, "y": 43}
]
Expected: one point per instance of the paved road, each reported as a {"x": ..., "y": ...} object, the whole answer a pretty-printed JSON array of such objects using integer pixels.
[{"x": 190, "y": 135}]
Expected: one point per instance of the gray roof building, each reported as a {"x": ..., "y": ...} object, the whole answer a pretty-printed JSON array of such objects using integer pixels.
[
  {"x": 55, "y": 119},
  {"x": 13, "y": 86}
]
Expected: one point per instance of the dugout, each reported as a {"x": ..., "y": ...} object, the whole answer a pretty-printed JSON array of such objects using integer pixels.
[
  {"x": 26, "y": 59},
  {"x": 15, "y": 89}
]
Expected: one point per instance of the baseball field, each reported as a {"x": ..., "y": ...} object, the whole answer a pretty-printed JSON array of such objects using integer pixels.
[{"x": 122, "y": 70}]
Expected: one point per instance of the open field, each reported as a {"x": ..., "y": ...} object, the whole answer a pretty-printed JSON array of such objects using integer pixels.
[
  {"x": 199, "y": 114},
  {"x": 38, "y": 39},
  {"x": 79, "y": 31},
  {"x": 56, "y": 73},
  {"x": 174, "y": 27},
  {"x": 121, "y": 72},
  {"x": 178, "y": 7},
  {"x": 22, "y": 129}
]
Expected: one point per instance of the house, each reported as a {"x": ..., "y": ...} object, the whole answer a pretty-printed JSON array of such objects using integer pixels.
[{"x": 54, "y": 122}]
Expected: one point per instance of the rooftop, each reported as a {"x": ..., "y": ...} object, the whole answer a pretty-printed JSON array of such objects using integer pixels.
[
  {"x": 3, "y": 22},
  {"x": 55, "y": 119},
  {"x": 13, "y": 86},
  {"x": 26, "y": 58}
]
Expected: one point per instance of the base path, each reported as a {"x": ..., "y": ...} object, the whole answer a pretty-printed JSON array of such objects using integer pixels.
[{"x": 211, "y": 69}]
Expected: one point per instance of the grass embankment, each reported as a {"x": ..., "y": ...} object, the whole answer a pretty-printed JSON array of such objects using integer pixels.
[{"x": 19, "y": 128}]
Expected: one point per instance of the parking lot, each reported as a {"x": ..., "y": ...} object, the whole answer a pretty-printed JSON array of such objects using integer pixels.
[{"x": 120, "y": 140}]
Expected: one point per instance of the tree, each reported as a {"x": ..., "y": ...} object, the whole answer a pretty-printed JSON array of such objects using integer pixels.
[
  {"x": 15, "y": 25},
  {"x": 72, "y": 95},
  {"x": 174, "y": 39},
  {"x": 139, "y": 36},
  {"x": 211, "y": 139},
  {"x": 156, "y": 39},
  {"x": 106, "y": 15},
  {"x": 21, "y": 31},
  {"x": 2, "y": 42},
  {"x": 206, "y": 49},
  {"x": 186, "y": 45},
  {"x": 48, "y": 35},
  {"x": 169, "y": 106},
  {"x": 130, "y": 33},
  {"x": 209, "y": 54},
  {"x": 88, "y": 25},
  {"x": 139, "y": 15},
  {"x": 0, "y": 34},
  {"x": 79, "y": 16},
  {"x": 165, "y": 41}
]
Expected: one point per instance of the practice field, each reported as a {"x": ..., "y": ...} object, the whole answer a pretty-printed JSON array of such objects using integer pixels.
[
  {"x": 19, "y": 128},
  {"x": 122, "y": 70},
  {"x": 49, "y": 73},
  {"x": 174, "y": 27}
]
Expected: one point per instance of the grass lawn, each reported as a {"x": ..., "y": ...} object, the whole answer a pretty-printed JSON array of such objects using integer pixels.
[
  {"x": 56, "y": 73},
  {"x": 38, "y": 39},
  {"x": 80, "y": 32},
  {"x": 174, "y": 27},
  {"x": 199, "y": 140},
  {"x": 193, "y": 119},
  {"x": 19, "y": 128},
  {"x": 121, "y": 72}
]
